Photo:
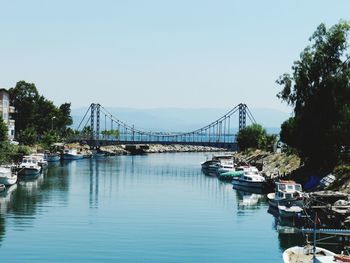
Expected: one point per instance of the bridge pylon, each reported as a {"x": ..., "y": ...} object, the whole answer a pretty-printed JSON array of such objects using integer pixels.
[{"x": 242, "y": 116}]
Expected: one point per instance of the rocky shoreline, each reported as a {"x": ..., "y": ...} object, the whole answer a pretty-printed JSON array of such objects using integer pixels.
[{"x": 159, "y": 148}]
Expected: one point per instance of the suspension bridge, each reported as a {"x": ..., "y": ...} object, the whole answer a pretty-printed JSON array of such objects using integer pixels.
[{"x": 99, "y": 127}]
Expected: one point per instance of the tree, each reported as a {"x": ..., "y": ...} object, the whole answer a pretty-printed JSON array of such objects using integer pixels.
[
  {"x": 319, "y": 91},
  {"x": 3, "y": 130},
  {"x": 23, "y": 97},
  {"x": 253, "y": 136},
  {"x": 28, "y": 136},
  {"x": 35, "y": 113}
]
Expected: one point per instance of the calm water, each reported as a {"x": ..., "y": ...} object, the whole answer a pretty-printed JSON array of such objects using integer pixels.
[{"x": 152, "y": 208}]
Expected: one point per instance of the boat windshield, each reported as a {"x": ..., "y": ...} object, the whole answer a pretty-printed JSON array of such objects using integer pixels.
[
  {"x": 298, "y": 187},
  {"x": 282, "y": 187}
]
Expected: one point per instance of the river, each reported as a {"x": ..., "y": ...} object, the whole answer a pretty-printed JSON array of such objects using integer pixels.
[{"x": 149, "y": 208}]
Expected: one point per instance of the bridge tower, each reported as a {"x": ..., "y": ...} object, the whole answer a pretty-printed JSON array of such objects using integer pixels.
[
  {"x": 92, "y": 121},
  {"x": 242, "y": 116},
  {"x": 98, "y": 121},
  {"x": 95, "y": 112}
]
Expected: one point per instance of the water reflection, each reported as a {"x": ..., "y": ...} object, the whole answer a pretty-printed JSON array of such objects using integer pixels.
[
  {"x": 5, "y": 198},
  {"x": 248, "y": 200},
  {"x": 110, "y": 208},
  {"x": 20, "y": 202}
]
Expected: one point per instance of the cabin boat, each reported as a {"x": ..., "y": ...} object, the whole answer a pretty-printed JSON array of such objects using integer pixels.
[
  {"x": 41, "y": 158},
  {"x": 7, "y": 175},
  {"x": 72, "y": 154},
  {"x": 29, "y": 166},
  {"x": 2, "y": 188},
  {"x": 287, "y": 193},
  {"x": 287, "y": 199},
  {"x": 226, "y": 166},
  {"x": 249, "y": 179},
  {"x": 53, "y": 157}
]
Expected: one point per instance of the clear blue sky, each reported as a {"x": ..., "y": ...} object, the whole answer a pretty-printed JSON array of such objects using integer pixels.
[{"x": 147, "y": 54}]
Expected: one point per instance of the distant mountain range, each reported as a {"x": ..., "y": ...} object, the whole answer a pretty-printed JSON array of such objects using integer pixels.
[{"x": 182, "y": 120}]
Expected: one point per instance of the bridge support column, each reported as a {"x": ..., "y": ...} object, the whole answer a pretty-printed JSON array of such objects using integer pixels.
[
  {"x": 242, "y": 116},
  {"x": 92, "y": 121},
  {"x": 98, "y": 121}
]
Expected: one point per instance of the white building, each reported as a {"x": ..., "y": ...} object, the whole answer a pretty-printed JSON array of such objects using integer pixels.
[{"x": 5, "y": 111}]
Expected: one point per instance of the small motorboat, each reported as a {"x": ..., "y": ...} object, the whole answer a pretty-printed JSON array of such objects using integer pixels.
[
  {"x": 72, "y": 154},
  {"x": 29, "y": 166},
  {"x": 308, "y": 254},
  {"x": 2, "y": 188},
  {"x": 53, "y": 157},
  {"x": 228, "y": 176},
  {"x": 249, "y": 179},
  {"x": 287, "y": 194},
  {"x": 286, "y": 211},
  {"x": 41, "y": 158},
  {"x": 8, "y": 176}
]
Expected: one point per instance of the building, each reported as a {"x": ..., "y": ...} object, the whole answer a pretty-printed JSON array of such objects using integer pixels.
[{"x": 5, "y": 111}]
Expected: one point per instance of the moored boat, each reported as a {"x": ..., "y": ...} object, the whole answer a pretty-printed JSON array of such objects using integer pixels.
[
  {"x": 308, "y": 254},
  {"x": 2, "y": 188},
  {"x": 249, "y": 179},
  {"x": 53, "y": 157},
  {"x": 41, "y": 158},
  {"x": 72, "y": 154},
  {"x": 287, "y": 194},
  {"x": 228, "y": 176},
  {"x": 289, "y": 211},
  {"x": 7, "y": 175},
  {"x": 29, "y": 166}
]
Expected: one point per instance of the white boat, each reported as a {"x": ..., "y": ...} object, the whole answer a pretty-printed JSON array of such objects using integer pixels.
[
  {"x": 287, "y": 194},
  {"x": 289, "y": 211},
  {"x": 226, "y": 166},
  {"x": 41, "y": 158},
  {"x": 2, "y": 188},
  {"x": 249, "y": 179},
  {"x": 7, "y": 175},
  {"x": 29, "y": 166},
  {"x": 306, "y": 255},
  {"x": 72, "y": 154}
]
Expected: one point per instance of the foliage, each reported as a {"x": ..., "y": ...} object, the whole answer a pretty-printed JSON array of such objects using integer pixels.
[
  {"x": 12, "y": 153},
  {"x": 110, "y": 133},
  {"x": 28, "y": 136},
  {"x": 253, "y": 136},
  {"x": 319, "y": 91},
  {"x": 35, "y": 112},
  {"x": 3, "y": 130},
  {"x": 50, "y": 137}
]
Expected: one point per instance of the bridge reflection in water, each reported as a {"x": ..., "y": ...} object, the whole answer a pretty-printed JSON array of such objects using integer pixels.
[{"x": 100, "y": 127}]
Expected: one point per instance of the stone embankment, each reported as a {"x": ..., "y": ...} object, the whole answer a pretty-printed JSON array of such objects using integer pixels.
[
  {"x": 273, "y": 164},
  {"x": 158, "y": 148}
]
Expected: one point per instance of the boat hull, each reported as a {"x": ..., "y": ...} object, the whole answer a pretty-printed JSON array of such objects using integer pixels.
[
  {"x": 284, "y": 202},
  {"x": 67, "y": 156},
  {"x": 8, "y": 180},
  {"x": 236, "y": 182},
  {"x": 305, "y": 255},
  {"x": 29, "y": 171}
]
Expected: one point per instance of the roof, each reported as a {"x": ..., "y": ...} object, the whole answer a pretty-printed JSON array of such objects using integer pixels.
[{"x": 3, "y": 90}]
